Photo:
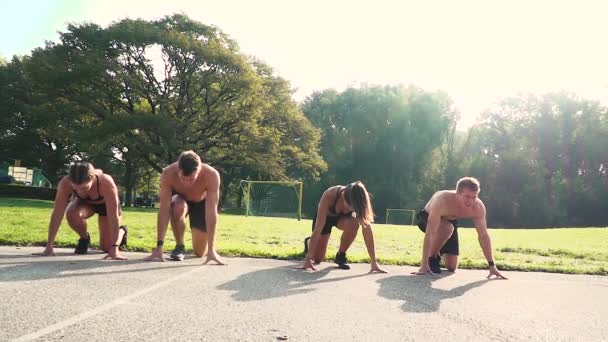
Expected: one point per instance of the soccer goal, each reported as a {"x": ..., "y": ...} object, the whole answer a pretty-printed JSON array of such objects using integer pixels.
[
  {"x": 272, "y": 198},
  {"x": 400, "y": 216}
]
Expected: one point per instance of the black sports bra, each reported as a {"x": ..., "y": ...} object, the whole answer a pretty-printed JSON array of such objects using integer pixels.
[
  {"x": 332, "y": 209},
  {"x": 88, "y": 199}
]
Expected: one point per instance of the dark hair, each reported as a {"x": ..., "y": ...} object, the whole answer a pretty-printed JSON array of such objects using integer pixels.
[
  {"x": 356, "y": 195},
  {"x": 467, "y": 183},
  {"x": 81, "y": 172},
  {"x": 188, "y": 161}
]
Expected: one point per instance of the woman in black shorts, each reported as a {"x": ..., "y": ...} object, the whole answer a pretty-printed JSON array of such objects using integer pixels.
[{"x": 347, "y": 208}]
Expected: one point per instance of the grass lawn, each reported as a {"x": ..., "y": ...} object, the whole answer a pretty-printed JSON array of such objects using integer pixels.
[{"x": 24, "y": 222}]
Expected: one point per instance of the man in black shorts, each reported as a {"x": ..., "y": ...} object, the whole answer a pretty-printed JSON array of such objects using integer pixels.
[
  {"x": 190, "y": 188},
  {"x": 450, "y": 249},
  {"x": 438, "y": 220}
]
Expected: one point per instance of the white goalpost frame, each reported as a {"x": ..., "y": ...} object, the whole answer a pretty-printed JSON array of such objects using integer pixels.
[
  {"x": 247, "y": 193},
  {"x": 398, "y": 209}
]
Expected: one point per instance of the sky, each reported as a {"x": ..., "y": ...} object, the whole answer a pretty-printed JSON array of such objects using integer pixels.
[{"x": 476, "y": 51}]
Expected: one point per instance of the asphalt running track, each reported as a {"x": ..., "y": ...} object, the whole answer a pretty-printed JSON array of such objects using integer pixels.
[{"x": 76, "y": 298}]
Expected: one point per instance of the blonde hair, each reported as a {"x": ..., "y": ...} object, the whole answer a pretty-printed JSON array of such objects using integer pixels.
[
  {"x": 356, "y": 195},
  {"x": 81, "y": 172},
  {"x": 468, "y": 183}
]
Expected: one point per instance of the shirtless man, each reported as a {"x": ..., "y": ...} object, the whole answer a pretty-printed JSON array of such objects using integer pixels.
[
  {"x": 191, "y": 188},
  {"x": 438, "y": 220},
  {"x": 84, "y": 192}
]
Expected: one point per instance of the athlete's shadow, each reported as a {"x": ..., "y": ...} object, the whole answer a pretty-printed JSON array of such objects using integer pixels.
[
  {"x": 32, "y": 267},
  {"x": 59, "y": 252},
  {"x": 417, "y": 292},
  {"x": 280, "y": 282}
]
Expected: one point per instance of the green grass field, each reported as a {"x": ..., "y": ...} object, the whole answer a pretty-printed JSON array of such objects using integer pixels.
[{"x": 568, "y": 250}]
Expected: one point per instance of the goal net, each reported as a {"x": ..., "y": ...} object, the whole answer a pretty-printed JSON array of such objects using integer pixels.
[
  {"x": 272, "y": 198},
  {"x": 400, "y": 216}
]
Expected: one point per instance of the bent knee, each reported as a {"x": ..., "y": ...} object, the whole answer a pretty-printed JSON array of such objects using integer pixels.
[
  {"x": 178, "y": 208},
  {"x": 73, "y": 216},
  {"x": 349, "y": 225},
  {"x": 451, "y": 267}
]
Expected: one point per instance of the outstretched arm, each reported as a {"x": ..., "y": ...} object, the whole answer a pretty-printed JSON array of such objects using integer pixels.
[
  {"x": 110, "y": 193},
  {"x": 322, "y": 210},
  {"x": 61, "y": 202},
  {"x": 432, "y": 226},
  {"x": 211, "y": 202},
  {"x": 368, "y": 237},
  {"x": 486, "y": 243},
  {"x": 164, "y": 214}
]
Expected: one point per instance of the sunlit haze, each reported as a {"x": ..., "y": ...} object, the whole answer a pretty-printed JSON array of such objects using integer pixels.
[{"x": 476, "y": 51}]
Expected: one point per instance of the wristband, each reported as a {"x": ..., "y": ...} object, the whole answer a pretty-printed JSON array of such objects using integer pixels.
[
  {"x": 115, "y": 245},
  {"x": 160, "y": 243},
  {"x": 491, "y": 263}
]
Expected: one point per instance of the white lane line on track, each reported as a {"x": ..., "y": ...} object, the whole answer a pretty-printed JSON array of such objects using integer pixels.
[{"x": 82, "y": 316}]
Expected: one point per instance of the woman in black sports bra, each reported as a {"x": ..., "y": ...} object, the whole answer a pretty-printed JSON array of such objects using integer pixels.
[
  {"x": 83, "y": 193},
  {"x": 345, "y": 207}
]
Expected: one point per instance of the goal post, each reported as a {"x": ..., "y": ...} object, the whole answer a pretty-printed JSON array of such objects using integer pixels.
[
  {"x": 272, "y": 198},
  {"x": 400, "y": 216}
]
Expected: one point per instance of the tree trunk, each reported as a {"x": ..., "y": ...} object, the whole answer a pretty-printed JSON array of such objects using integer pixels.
[
  {"x": 239, "y": 198},
  {"x": 128, "y": 181}
]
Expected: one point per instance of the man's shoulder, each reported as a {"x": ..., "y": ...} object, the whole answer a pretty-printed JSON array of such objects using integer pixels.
[
  {"x": 444, "y": 195},
  {"x": 169, "y": 174},
  {"x": 480, "y": 207},
  {"x": 209, "y": 170},
  {"x": 440, "y": 201},
  {"x": 170, "y": 169}
]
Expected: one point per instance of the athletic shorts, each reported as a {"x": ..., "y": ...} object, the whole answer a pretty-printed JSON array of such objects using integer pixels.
[
  {"x": 101, "y": 210},
  {"x": 330, "y": 222},
  {"x": 196, "y": 211},
  {"x": 451, "y": 246}
]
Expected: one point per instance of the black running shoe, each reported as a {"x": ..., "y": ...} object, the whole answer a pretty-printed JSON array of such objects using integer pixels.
[
  {"x": 83, "y": 245},
  {"x": 306, "y": 245},
  {"x": 179, "y": 253},
  {"x": 342, "y": 261},
  {"x": 123, "y": 243},
  {"x": 435, "y": 263}
]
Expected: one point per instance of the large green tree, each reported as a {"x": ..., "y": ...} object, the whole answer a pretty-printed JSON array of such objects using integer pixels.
[
  {"x": 542, "y": 161},
  {"x": 383, "y": 136},
  {"x": 287, "y": 146},
  {"x": 35, "y": 128},
  {"x": 155, "y": 88}
]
